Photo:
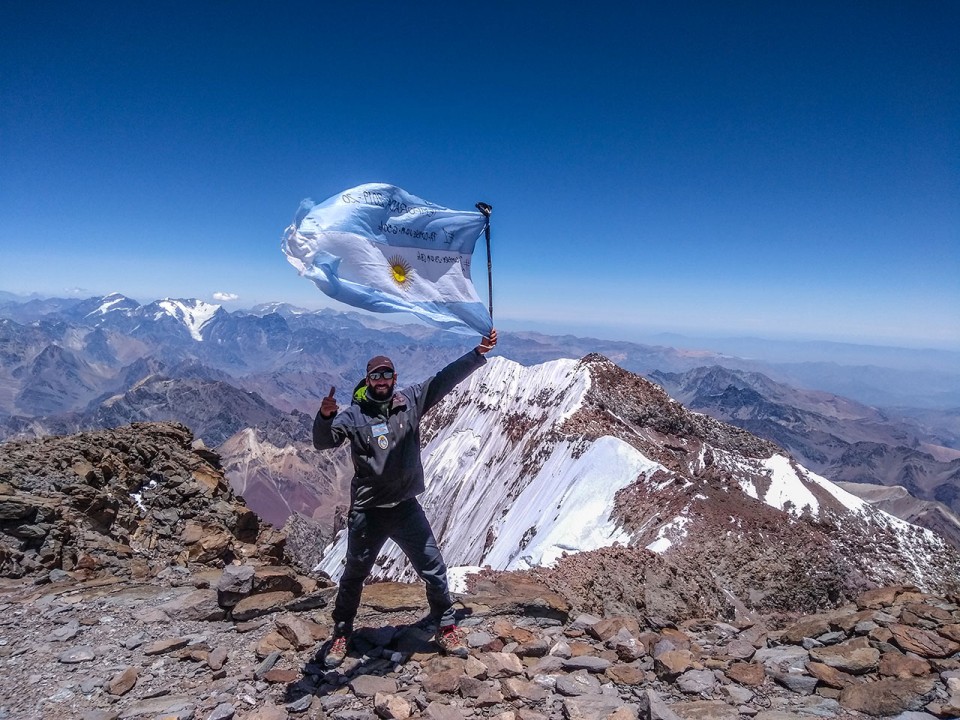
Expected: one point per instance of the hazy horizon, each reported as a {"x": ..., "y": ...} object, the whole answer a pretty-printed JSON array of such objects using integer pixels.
[{"x": 607, "y": 332}]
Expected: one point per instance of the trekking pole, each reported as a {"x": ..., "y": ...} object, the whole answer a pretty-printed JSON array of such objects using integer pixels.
[{"x": 486, "y": 209}]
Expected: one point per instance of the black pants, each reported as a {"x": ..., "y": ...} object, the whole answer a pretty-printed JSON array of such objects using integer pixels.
[{"x": 405, "y": 524}]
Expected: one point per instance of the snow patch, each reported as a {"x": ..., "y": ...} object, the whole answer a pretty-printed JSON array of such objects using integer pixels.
[
  {"x": 193, "y": 314},
  {"x": 137, "y": 497},
  {"x": 670, "y": 532},
  {"x": 787, "y": 490},
  {"x": 110, "y": 301},
  {"x": 457, "y": 577}
]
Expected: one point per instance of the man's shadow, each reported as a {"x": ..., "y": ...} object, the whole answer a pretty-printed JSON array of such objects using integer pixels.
[{"x": 372, "y": 651}]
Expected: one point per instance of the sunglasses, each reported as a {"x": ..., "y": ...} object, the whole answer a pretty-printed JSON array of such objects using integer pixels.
[{"x": 385, "y": 374}]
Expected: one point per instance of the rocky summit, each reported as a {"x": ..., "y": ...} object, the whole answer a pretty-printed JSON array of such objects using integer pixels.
[
  {"x": 108, "y": 648},
  {"x": 135, "y": 584}
]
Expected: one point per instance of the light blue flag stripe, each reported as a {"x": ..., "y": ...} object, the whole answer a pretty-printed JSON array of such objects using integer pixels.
[{"x": 379, "y": 248}]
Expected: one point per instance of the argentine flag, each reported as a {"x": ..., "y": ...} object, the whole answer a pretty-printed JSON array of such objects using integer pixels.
[{"x": 379, "y": 248}]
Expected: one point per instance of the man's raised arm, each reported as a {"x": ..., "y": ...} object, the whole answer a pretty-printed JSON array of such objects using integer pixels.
[{"x": 447, "y": 379}]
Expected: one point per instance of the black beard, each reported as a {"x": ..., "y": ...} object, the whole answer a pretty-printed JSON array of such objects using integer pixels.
[{"x": 379, "y": 395}]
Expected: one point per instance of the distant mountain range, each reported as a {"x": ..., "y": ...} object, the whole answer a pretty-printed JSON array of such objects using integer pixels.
[
  {"x": 249, "y": 383},
  {"x": 833, "y": 436}
]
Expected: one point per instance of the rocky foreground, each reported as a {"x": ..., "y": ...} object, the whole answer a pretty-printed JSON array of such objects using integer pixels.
[
  {"x": 110, "y": 648},
  {"x": 135, "y": 584}
]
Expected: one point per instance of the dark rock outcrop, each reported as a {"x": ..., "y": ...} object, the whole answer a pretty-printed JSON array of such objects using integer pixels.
[{"x": 130, "y": 501}]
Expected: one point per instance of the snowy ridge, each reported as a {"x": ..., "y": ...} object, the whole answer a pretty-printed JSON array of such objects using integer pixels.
[
  {"x": 113, "y": 302},
  {"x": 524, "y": 464},
  {"x": 502, "y": 489},
  {"x": 194, "y": 314},
  {"x": 791, "y": 487}
]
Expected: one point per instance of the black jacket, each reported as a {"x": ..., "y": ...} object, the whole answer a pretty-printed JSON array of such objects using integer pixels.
[{"x": 385, "y": 437}]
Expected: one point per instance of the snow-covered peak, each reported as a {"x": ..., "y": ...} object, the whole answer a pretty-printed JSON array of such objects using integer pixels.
[
  {"x": 552, "y": 391},
  {"x": 194, "y": 314},
  {"x": 525, "y": 464},
  {"x": 112, "y": 303},
  {"x": 282, "y": 308},
  {"x": 503, "y": 487}
]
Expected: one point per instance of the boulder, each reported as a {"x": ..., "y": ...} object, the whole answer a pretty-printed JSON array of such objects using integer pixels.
[
  {"x": 924, "y": 643},
  {"x": 889, "y": 696}
]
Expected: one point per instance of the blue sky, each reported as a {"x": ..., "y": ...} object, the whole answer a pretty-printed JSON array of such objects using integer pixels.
[{"x": 771, "y": 169}]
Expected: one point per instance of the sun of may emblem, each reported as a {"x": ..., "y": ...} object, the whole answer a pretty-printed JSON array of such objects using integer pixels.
[{"x": 400, "y": 271}]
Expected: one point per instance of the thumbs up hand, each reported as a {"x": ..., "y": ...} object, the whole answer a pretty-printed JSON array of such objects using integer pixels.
[{"x": 328, "y": 406}]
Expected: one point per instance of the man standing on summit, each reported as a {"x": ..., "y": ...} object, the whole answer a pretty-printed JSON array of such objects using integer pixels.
[{"x": 383, "y": 426}]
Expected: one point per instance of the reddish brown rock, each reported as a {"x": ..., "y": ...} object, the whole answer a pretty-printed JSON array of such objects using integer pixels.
[
  {"x": 123, "y": 682},
  {"x": 951, "y": 706},
  {"x": 702, "y": 710},
  {"x": 256, "y": 605},
  {"x": 951, "y": 632},
  {"x": 269, "y": 711},
  {"x": 280, "y": 675},
  {"x": 273, "y": 578},
  {"x": 515, "y": 688},
  {"x": 195, "y": 655},
  {"x": 880, "y": 597},
  {"x": 392, "y": 707},
  {"x": 912, "y": 595},
  {"x": 673, "y": 663},
  {"x": 535, "y": 648},
  {"x": 500, "y": 665},
  {"x": 894, "y": 664},
  {"x": 445, "y": 681},
  {"x": 578, "y": 649},
  {"x": 649, "y": 640},
  {"x": 368, "y": 686},
  {"x": 924, "y": 643},
  {"x": 624, "y": 674},
  {"x": 830, "y": 676},
  {"x": 945, "y": 665},
  {"x": 929, "y": 612},
  {"x": 850, "y": 657},
  {"x": 164, "y": 646},
  {"x": 394, "y": 597},
  {"x": 889, "y": 696},
  {"x": 272, "y": 642},
  {"x": 213, "y": 543},
  {"x": 806, "y": 628},
  {"x": 848, "y": 621},
  {"x": 508, "y": 632},
  {"x": 295, "y": 630},
  {"x": 610, "y": 626},
  {"x": 749, "y": 674}
]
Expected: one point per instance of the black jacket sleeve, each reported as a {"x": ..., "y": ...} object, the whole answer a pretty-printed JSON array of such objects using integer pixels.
[
  {"x": 434, "y": 389},
  {"x": 326, "y": 435}
]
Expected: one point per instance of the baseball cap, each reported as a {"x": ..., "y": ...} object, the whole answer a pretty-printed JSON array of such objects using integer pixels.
[{"x": 378, "y": 363}]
